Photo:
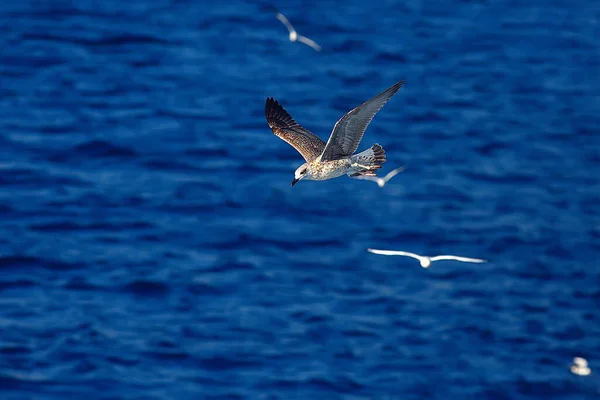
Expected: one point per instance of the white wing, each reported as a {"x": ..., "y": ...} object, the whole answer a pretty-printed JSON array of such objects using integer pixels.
[
  {"x": 380, "y": 182},
  {"x": 285, "y": 21},
  {"x": 457, "y": 258},
  {"x": 393, "y": 173},
  {"x": 395, "y": 253},
  {"x": 309, "y": 42}
]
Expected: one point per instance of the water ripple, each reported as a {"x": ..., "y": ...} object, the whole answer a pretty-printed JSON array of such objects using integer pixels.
[{"x": 151, "y": 246}]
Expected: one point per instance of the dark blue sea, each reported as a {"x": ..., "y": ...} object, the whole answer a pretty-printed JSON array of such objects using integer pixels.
[{"x": 151, "y": 246}]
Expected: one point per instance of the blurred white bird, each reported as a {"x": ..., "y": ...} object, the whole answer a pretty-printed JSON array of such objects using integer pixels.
[
  {"x": 293, "y": 34},
  {"x": 382, "y": 181},
  {"x": 580, "y": 367},
  {"x": 424, "y": 260}
]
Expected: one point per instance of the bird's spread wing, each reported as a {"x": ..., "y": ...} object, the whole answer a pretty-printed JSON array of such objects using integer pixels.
[
  {"x": 309, "y": 42},
  {"x": 284, "y": 126},
  {"x": 285, "y": 21},
  {"x": 349, "y": 130},
  {"x": 394, "y": 253},
  {"x": 381, "y": 181},
  {"x": 392, "y": 174},
  {"x": 375, "y": 179},
  {"x": 457, "y": 258}
]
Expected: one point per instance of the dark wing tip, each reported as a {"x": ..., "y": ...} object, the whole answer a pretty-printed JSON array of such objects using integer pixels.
[
  {"x": 394, "y": 88},
  {"x": 270, "y": 106},
  {"x": 276, "y": 114},
  {"x": 269, "y": 103}
]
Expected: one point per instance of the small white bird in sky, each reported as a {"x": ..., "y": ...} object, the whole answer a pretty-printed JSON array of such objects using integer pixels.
[
  {"x": 293, "y": 34},
  {"x": 424, "y": 260},
  {"x": 580, "y": 367},
  {"x": 382, "y": 181}
]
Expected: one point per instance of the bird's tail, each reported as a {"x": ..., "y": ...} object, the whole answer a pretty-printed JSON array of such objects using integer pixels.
[{"x": 367, "y": 162}]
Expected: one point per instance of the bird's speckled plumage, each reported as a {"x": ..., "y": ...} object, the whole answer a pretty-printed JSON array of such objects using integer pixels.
[
  {"x": 334, "y": 158},
  {"x": 320, "y": 171}
]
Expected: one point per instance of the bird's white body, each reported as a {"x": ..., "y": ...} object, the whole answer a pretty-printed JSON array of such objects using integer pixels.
[
  {"x": 322, "y": 170},
  {"x": 580, "y": 367},
  {"x": 294, "y": 37}
]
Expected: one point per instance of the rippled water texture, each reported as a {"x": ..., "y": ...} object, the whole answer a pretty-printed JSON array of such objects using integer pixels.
[{"x": 151, "y": 246}]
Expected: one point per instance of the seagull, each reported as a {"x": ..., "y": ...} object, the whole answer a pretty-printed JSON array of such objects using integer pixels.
[
  {"x": 424, "y": 260},
  {"x": 580, "y": 367},
  {"x": 293, "y": 34},
  {"x": 382, "y": 181},
  {"x": 336, "y": 157}
]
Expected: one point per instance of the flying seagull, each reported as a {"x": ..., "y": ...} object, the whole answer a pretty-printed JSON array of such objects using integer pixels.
[
  {"x": 382, "y": 181},
  {"x": 293, "y": 34},
  {"x": 580, "y": 367},
  {"x": 424, "y": 260},
  {"x": 336, "y": 157}
]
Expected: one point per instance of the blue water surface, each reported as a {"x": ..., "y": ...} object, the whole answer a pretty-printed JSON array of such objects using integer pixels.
[{"x": 151, "y": 246}]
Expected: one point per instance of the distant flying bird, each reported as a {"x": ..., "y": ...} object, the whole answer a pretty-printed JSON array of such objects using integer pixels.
[
  {"x": 580, "y": 367},
  {"x": 293, "y": 34},
  {"x": 424, "y": 260},
  {"x": 336, "y": 157},
  {"x": 382, "y": 181}
]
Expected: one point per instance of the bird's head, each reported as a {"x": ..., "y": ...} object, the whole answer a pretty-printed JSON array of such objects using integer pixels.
[
  {"x": 302, "y": 172},
  {"x": 293, "y": 36},
  {"x": 425, "y": 262}
]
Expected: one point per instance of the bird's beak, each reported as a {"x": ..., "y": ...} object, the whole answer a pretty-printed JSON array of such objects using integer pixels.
[{"x": 295, "y": 181}]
